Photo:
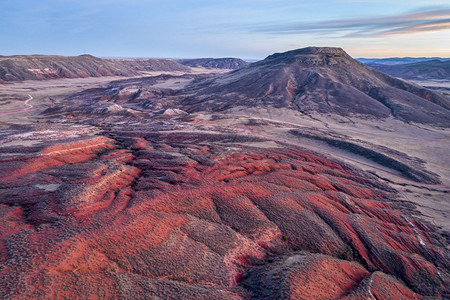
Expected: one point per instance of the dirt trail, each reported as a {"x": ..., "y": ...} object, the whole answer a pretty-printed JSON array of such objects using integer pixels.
[{"x": 26, "y": 103}]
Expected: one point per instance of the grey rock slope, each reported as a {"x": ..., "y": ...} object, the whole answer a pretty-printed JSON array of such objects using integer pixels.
[{"x": 324, "y": 80}]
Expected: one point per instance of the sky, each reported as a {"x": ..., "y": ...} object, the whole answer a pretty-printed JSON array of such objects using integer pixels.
[{"x": 250, "y": 29}]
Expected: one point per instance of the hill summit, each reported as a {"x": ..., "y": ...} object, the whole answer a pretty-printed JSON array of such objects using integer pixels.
[{"x": 324, "y": 80}]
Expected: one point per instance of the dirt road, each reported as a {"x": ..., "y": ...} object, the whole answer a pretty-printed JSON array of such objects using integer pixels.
[{"x": 27, "y": 108}]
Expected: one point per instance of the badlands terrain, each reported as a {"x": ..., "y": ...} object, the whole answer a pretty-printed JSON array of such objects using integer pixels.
[{"x": 307, "y": 175}]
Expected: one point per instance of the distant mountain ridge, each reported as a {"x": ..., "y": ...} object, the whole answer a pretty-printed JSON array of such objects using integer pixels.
[
  {"x": 399, "y": 60},
  {"x": 41, "y": 67},
  {"x": 424, "y": 70}
]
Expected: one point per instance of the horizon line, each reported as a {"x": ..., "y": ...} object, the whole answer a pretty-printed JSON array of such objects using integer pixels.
[{"x": 212, "y": 57}]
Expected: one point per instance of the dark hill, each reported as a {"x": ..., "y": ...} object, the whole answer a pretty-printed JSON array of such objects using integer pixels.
[
  {"x": 399, "y": 60},
  {"x": 432, "y": 69},
  {"x": 215, "y": 63},
  {"x": 324, "y": 80},
  {"x": 40, "y": 67}
]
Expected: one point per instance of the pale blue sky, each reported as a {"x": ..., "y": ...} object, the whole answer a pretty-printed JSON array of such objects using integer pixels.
[{"x": 217, "y": 28}]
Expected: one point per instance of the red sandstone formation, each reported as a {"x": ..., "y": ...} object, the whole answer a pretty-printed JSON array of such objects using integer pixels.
[
  {"x": 54, "y": 156},
  {"x": 201, "y": 216},
  {"x": 313, "y": 276}
]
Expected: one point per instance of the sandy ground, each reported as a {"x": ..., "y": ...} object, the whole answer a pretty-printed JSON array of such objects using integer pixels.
[
  {"x": 439, "y": 86},
  {"x": 13, "y": 96},
  {"x": 194, "y": 70},
  {"x": 433, "y": 83},
  {"x": 175, "y": 83}
]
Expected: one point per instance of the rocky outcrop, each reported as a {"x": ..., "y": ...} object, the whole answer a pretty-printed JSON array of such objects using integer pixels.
[
  {"x": 409, "y": 169},
  {"x": 314, "y": 276}
]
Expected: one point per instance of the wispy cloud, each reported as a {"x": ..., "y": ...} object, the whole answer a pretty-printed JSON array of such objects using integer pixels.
[{"x": 425, "y": 20}]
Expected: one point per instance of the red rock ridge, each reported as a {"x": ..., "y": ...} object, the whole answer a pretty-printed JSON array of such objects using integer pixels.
[{"x": 198, "y": 216}]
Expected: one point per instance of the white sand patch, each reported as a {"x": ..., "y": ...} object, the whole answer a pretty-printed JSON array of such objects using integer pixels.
[{"x": 48, "y": 187}]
